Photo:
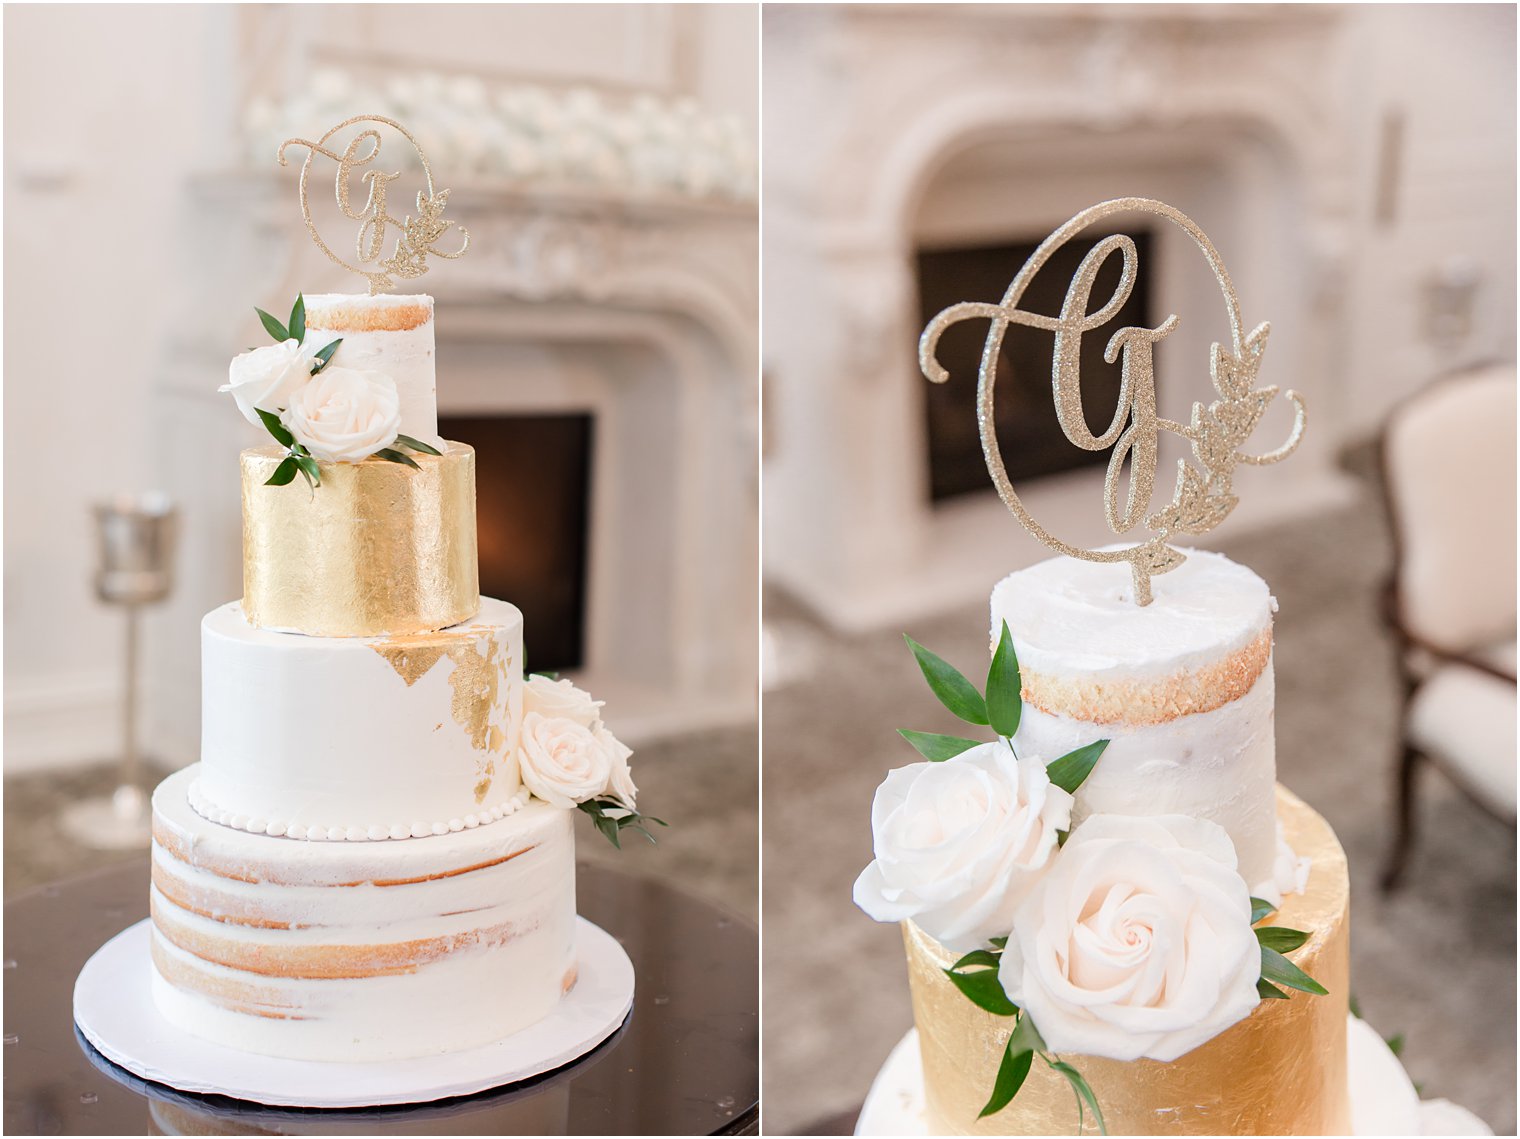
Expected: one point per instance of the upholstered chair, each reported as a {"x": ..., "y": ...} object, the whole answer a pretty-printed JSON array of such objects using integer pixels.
[{"x": 1448, "y": 458}]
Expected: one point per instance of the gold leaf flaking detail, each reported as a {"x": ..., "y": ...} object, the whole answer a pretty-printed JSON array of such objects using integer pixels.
[
  {"x": 479, "y": 676},
  {"x": 475, "y": 683},
  {"x": 411, "y": 661}
]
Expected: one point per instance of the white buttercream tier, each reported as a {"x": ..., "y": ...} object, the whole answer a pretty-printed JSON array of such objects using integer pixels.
[
  {"x": 360, "y": 738},
  {"x": 1182, "y": 688},
  {"x": 1073, "y": 617},
  {"x": 354, "y": 952},
  {"x": 385, "y": 333}
]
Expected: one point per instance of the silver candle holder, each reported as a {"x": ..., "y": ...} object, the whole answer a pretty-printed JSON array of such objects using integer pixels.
[{"x": 136, "y": 540}]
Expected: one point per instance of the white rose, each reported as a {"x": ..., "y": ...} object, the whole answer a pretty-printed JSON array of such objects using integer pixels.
[
  {"x": 559, "y": 699},
  {"x": 344, "y": 415},
  {"x": 561, "y": 761},
  {"x": 620, "y": 782},
  {"x": 959, "y": 843},
  {"x": 1138, "y": 942},
  {"x": 266, "y": 378}
]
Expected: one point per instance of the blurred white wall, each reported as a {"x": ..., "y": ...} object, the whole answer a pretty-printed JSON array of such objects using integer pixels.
[
  {"x": 1430, "y": 95},
  {"x": 108, "y": 111}
]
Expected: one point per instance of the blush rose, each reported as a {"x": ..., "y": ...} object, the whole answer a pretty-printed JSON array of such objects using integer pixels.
[
  {"x": 344, "y": 415},
  {"x": 1138, "y": 942}
]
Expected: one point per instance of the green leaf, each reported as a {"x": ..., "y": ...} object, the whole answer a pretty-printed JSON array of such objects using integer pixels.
[
  {"x": 999, "y": 942},
  {"x": 392, "y": 456},
  {"x": 1084, "y": 1093},
  {"x": 298, "y": 319},
  {"x": 1010, "y": 1078},
  {"x": 1026, "y": 1037},
  {"x": 933, "y": 746},
  {"x": 283, "y": 473},
  {"x": 1260, "y": 909},
  {"x": 1281, "y": 938},
  {"x": 984, "y": 990},
  {"x": 273, "y": 425},
  {"x": 1071, "y": 769},
  {"x": 1004, "y": 702},
  {"x": 1396, "y": 1044},
  {"x": 946, "y": 682},
  {"x": 605, "y": 823},
  {"x": 1356, "y": 1007},
  {"x": 611, "y": 825},
  {"x": 1061, "y": 837},
  {"x": 273, "y": 326},
  {"x": 1268, "y": 991},
  {"x": 1276, "y": 967},
  {"x": 310, "y": 469},
  {"x": 610, "y": 830},
  {"x": 417, "y": 445},
  {"x": 323, "y": 356},
  {"x": 978, "y": 957}
]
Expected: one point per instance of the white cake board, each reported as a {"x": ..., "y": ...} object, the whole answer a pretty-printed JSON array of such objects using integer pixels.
[
  {"x": 1383, "y": 1101},
  {"x": 114, "y": 1009}
]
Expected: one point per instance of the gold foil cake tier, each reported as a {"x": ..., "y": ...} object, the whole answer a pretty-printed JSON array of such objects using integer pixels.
[
  {"x": 379, "y": 548},
  {"x": 1281, "y": 1071}
]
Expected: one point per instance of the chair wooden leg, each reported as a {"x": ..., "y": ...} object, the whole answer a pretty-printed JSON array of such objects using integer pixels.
[{"x": 1404, "y": 820}]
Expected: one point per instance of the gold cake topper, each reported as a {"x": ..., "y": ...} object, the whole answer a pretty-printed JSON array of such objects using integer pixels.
[
  {"x": 414, "y": 244},
  {"x": 1217, "y": 433}
]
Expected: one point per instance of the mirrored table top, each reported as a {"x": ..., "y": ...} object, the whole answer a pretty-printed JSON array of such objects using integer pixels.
[{"x": 684, "y": 1063}]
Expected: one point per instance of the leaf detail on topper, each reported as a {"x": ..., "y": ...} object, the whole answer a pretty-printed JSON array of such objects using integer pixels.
[
  {"x": 418, "y": 234},
  {"x": 1217, "y": 433}
]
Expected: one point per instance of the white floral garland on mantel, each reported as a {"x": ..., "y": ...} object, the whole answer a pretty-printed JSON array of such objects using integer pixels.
[{"x": 532, "y": 134}]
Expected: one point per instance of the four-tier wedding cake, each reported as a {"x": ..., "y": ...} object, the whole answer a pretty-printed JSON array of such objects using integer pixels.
[{"x": 374, "y": 857}]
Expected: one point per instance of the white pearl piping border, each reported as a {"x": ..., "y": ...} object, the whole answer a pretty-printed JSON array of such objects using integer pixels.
[{"x": 253, "y": 824}]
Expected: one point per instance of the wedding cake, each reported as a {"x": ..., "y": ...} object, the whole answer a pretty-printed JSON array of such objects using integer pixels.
[
  {"x": 374, "y": 858},
  {"x": 1137, "y": 964},
  {"x": 1098, "y": 905}
]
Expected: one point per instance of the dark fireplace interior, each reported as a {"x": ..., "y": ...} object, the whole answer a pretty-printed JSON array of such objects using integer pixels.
[
  {"x": 1028, "y": 432},
  {"x": 532, "y": 508}
]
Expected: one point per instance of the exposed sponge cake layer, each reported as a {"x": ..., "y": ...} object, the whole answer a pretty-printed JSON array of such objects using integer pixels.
[
  {"x": 359, "y": 951},
  {"x": 1139, "y": 702},
  {"x": 345, "y": 312}
]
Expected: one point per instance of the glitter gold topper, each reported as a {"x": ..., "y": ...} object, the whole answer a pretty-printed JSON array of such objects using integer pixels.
[
  {"x": 414, "y": 243},
  {"x": 1217, "y": 433}
]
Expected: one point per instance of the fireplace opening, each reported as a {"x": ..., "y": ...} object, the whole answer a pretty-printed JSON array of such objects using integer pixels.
[
  {"x": 533, "y": 510},
  {"x": 1027, "y": 429}
]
